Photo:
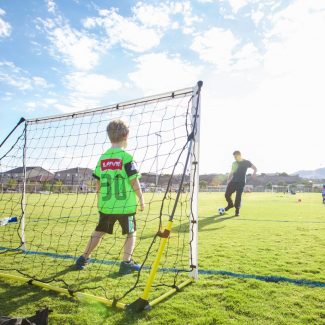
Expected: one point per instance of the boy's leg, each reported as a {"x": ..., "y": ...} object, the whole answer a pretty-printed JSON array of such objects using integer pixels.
[
  {"x": 229, "y": 191},
  {"x": 93, "y": 242},
  {"x": 129, "y": 246},
  {"x": 105, "y": 225},
  {"x": 128, "y": 225}
]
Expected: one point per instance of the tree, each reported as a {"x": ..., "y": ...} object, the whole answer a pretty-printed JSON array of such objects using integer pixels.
[
  {"x": 46, "y": 186},
  {"x": 269, "y": 186},
  {"x": 203, "y": 184},
  {"x": 12, "y": 183},
  {"x": 58, "y": 186},
  {"x": 215, "y": 181}
]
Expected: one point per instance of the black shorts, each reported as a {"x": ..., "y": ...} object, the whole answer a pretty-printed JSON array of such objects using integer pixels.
[{"x": 107, "y": 221}]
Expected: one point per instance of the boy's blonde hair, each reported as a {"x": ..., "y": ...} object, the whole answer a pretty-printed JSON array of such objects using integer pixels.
[{"x": 117, "y": 130}]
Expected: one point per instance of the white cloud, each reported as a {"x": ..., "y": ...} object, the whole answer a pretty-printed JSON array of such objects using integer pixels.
[
  {"x": 150, "y": 15},
  {"x": 40, "y": 82},
  {"x": 189, "y": 19},
  {"x": 75, "y": 104},
  {"x": 159, "y": 72},
  {"x": 7, "y": 96},
  {"x": 144, "y": 29},
  {"x": 216, "y": 46},
  {"x": 86, "y": 91},
  {"x": 31, "y": 106},
  {"x": 43, "y": 103},
  {"x": 258, "y": 10},
  {"x": 91, "y": 85},
  {"x": 5, "y": 27},
  {"x": 51, "y": 6},
  {"x": 16, "y": 77},
  {"x": 124, "y": 31},
  {"x": 246, "y": 58},
  {"x": 280, "y": 117},
  {"x": 221, "y": 48},
  {"x": 72, "y": 46},
  {"x": 257, "y": 16},
  {"x": 295, "y": 45},
  {"x": 236, "y": 5}
]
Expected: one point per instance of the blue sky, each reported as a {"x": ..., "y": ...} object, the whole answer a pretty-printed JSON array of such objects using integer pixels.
[{"x": 261, "y": 63}]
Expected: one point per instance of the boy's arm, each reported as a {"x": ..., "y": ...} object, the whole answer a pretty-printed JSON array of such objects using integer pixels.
[
  {"x": 97, "y": 186},
  {"x": 137, "y": 189}
]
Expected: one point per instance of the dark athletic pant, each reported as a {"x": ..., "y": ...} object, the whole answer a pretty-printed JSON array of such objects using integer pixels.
[{"x": 232, "y": 188}]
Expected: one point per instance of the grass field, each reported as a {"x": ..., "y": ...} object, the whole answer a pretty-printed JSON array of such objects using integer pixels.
[{"x": 275, "y": 236}]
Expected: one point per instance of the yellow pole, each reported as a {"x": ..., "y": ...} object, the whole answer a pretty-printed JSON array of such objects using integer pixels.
[
  {"x": 47, "y": 286},
  {"x": 155, "y": 265},
  {"x": 170, "y": 292}
]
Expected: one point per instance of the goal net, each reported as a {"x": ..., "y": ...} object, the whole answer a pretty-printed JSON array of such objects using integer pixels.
[{"x": 48, "y": 200}]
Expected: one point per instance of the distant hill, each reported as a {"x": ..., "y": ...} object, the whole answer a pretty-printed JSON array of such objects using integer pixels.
[{"x": 313, "y": 174}]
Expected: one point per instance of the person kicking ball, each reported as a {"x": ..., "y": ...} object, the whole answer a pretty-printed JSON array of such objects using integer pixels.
[{"x": 237, "y": 180}]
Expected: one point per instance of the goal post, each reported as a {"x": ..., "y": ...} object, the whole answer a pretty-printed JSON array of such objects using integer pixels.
[
  {"x": 47, "y": 184},
  {"x": 23, "y": 199},
  {"x": 194, "y": 181}
]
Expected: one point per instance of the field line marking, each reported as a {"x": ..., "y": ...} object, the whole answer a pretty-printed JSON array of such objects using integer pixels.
[{"x": 265, "y": 278}]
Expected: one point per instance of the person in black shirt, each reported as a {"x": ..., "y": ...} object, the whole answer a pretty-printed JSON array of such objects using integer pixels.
[{"x": 236, "y": 180}]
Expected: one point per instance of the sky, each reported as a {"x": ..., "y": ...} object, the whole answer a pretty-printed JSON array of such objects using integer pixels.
[{"x": 262, "y": 64}]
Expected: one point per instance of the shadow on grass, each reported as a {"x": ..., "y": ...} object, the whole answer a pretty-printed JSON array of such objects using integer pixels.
[
  {"x": 15, "y": 296},
  {"x": 131, "y": 317},
  {"x": 70, "y": 268},
  {"x": 204, "y": 223}
]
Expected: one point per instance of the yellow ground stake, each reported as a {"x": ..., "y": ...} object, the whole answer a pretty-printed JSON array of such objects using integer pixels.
[{"x": 143, "y": 303}]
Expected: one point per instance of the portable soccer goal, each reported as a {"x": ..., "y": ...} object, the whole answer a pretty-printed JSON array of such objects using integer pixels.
[{"x": 48, "y": 201}]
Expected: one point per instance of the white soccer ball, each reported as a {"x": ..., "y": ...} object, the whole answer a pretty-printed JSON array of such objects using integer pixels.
[{"x": 221, "y": 211}]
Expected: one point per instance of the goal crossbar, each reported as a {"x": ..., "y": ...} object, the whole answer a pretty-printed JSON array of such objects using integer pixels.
[{"x": 118, "y": 106}]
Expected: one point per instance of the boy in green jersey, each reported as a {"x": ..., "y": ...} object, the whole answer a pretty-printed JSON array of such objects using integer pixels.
[{"x": 118, "y": 188}]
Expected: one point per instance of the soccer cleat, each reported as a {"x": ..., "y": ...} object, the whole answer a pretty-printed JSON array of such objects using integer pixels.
[
  {"x": 229, "y": 207},
  {"x": 237, "y": 213},
  {"x": 81, "y": 262},
  {"x": 128, "y": 267}
]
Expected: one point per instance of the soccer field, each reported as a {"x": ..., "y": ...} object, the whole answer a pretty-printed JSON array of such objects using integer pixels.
[{"x": 264, "y": 267}]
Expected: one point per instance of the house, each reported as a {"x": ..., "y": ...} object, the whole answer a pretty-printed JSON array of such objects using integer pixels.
[
  {"x": 74, "y": 176},
  {"x": 33, "y": 174}
]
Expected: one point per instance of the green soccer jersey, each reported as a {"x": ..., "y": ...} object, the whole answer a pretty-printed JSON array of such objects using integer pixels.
[{"x": 115, "y": 170}]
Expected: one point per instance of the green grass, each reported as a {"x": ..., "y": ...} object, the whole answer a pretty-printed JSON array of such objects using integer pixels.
[{"x": 275, "y": 235}]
